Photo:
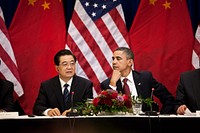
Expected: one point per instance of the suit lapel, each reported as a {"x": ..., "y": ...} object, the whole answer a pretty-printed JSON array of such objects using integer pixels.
[
  {"x": 136, "y": 79},
  {"x": 196, "y": 86},
  {"x": 59, "y": 96},
  {"x": 77, "y": 88},
  {"x": 75, "y": 84},
  {"x": 119, "y": 86}
]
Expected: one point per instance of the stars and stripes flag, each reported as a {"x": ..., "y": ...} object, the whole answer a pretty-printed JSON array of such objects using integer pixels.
[
  {"x": 97, "y": 27},
  {"x": 196, "y": 50},
  {"x": 8, "y": 65}
]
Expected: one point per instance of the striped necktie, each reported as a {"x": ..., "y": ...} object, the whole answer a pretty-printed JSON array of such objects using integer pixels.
[{"x": 65, "y": 95}]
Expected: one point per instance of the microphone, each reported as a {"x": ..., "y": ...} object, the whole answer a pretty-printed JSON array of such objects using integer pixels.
[
  {"x": 72, "y": 112},
  {"x": 151, "y": 112},
  {"x": 72, "y": 102},
  {"x": 152, "y": 90}
]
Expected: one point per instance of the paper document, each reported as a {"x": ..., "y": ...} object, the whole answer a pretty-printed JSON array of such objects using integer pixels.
[{"x": 189, "y": 113}]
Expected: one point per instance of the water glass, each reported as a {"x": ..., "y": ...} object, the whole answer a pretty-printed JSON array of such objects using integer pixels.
[{"x": 137, "y": 108}]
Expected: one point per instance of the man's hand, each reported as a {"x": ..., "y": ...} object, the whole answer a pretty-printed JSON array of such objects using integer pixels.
[
  {"x": 115, "y": 77},
  {"x": 65, "y": 112},
  {"x": 54, "y": 112},
  {"x": 181, "y": 109}
]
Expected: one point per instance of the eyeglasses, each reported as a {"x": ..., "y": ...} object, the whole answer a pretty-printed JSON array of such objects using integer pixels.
[{"x": 66, "y": 64}]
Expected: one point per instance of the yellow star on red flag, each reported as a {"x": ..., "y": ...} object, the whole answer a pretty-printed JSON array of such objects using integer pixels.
[
  {"x": 31, "y": 2},
  {"x": 167, "y": 5},
  {"x": 46, "y": 5}
]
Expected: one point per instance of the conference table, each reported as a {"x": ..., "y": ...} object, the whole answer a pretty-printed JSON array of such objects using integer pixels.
[{"x": 101, "y": 124}]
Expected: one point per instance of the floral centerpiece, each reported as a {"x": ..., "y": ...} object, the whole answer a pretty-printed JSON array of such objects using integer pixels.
[{"x": 108, "y": 101}]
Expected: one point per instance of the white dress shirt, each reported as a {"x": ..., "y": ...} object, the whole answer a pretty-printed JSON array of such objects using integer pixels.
[{"x": 130, "y": 83}]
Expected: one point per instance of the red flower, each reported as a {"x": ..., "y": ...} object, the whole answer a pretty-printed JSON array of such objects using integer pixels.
[
  {"x": 114, "y": 95},
  {"x": 128, "y": 104},
  {"x": 110, "y": 100},
  {"x": 126, "y": 98},
  {"x": 95, "y": 101},
  {"x": 105, "y": 93}
]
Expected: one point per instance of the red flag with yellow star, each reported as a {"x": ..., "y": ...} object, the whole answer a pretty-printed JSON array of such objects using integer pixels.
[
  {"x": 37, "y": 32},
  {"x": 162, "y": 40}
]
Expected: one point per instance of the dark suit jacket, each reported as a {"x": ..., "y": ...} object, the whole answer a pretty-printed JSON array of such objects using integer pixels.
[
  {"x": 6, "y": 95},
  {"x": 144, "y": 82},
  {"x": 50, "y": 94},
  {"x": 188, "y": 90}
]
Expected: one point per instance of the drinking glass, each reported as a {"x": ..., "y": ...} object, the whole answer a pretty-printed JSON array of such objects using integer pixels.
[{"x": 137, "y": 108}]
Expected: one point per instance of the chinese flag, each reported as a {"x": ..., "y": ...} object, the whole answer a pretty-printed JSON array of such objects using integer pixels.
[
  {"x": 162, "y": 40},
  {"x": 37, "y": 32}
]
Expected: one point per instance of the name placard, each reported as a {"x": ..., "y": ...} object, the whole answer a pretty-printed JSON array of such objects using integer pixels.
[{"x": 8, "y": 114}]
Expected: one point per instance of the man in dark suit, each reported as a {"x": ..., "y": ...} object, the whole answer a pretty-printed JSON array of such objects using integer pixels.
[
  {"x": 188, "y": 92},
  {"x": 6, "y": 96},
  {"x": 51, "y": 99},
  {"x": 141, "y": 84}
]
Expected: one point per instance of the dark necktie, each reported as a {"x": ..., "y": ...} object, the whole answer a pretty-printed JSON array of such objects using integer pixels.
[
  {"x": 65, "y": 95},
  {"x": 126, "y": 87}
]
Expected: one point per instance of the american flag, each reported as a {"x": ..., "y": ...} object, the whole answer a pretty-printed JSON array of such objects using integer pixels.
[
  {"x": 196, "y": 51},
  {"x": 8, "y": 65},
  {"x": 97, "y": 27}
]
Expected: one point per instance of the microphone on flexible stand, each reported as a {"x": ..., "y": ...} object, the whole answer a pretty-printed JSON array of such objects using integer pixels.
[
  {"x": 151, "y": 98},
  {"x": 73, "y": 112},
  {"x": 151, "y": 112},
  {"x": 72, "y": 102}
]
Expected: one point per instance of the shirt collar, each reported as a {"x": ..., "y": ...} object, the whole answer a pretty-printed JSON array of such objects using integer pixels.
[
  {"x": 129, "y": 77},
  {"x": 63, "y": 82}
]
